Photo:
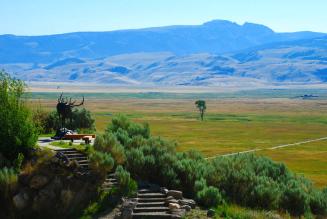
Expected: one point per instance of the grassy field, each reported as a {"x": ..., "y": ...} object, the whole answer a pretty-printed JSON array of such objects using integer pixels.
[
  {"x": 308, "y": 159},
  {"x": 231, "y": 125}
]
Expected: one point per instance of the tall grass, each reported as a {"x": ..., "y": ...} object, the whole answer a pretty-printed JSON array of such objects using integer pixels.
[{"x": 8, "y": 181}]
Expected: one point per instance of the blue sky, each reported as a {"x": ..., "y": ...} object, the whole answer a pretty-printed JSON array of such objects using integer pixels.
[{"x": 39, "y": 17}]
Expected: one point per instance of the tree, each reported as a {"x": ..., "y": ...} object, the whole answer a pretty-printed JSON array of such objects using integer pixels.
[
  {"x": 18, "y": 133},
  {"x": 201, "y": 105}
]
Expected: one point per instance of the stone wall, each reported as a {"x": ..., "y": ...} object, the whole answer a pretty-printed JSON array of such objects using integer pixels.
[{"x": 54, "y": 190}]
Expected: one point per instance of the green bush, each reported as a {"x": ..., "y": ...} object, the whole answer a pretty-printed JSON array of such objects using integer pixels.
[
  {"x": 209, "y": 197},
  {"x": 18, "y": 133},
  {"x": 200, "y": 185},
  {"x": 132, "y": 129},
  {"x": 318, "y": 203},
  {"x": 108, "y": 143},
  {"x": 18, "y": 162},
  {"x": 49, "y": 122},
  {"x": 101, "y": 162},
  {"x": 82, "y": 119},
  {"x": 244, "y": 179},
  {"x": 295, "y": 198},
  {"x": 105, "y": 142},
  {"x": 8, "y": 180},
  {"x": 127, "y": 186},
  {"x": 265, "y": 194},
  {"x": 43, "y": 120}
]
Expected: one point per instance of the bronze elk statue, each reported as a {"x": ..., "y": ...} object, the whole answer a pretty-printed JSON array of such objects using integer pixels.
[{"x": 65, "y": 108}]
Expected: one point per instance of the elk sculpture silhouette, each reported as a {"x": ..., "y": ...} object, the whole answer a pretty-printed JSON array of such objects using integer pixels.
[{"x": 65, "y": 109}]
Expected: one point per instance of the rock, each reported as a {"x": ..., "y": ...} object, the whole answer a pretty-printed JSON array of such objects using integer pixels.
[
  {"x": 172, "y": 206},
  {"x": 66, "y": 197},
  {"x": 176, "y": 194},
  {"x": 38, "y": 181},
  {"x": 127, "y": 208},
  {"x": 44, "y": 198},
  {"x": 21, "y": 200},
  {"x": 164, "y": 190},
  {"x": 170, "y": 199},
  {"x": 210, "y": 213},
  {"x": 186, "y": 207},
  {"x": 24, "y": 179},
  {"x": 178, "y": 213},
  {"x": 189, "y": 202}
]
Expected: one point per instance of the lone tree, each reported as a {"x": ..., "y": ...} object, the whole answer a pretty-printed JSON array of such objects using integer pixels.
[{"x": 201, "y": 105}]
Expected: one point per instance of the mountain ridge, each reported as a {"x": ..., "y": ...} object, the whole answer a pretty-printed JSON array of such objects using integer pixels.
[
  {"x": 218, "y": 36},
  {"x": 215, "y": 53}
]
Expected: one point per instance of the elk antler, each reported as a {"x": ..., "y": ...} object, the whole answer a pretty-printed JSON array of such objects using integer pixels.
[
  {"x": 72, "y": 104},
  {"x": 60, "y": 98},
  {"x": 80, "y": 103}
]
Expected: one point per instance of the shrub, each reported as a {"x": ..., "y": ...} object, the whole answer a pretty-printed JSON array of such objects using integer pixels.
[
  {"x": 82, "y": 119},
  {"x": 40, "y": 118},
  {"x": 18, "y": 162},
  {"x": 245, "y": 179},
  {"x": 265, "y": 194},
  {"x": 105, "y": 142},
  {"x": 132, "y": 129},
  {"x": 49, "y": 122},
  {"x": 209, "y": 197},
  {"x": 8, "y": 180},
  {"x": 295, "y": 198},
  {"x": 318, "y": 203},
  {"x": 200, "y": 185},
  {"x": 118, "y": 154},
  {"x": 127, "y": 186},
  {"x": 101, "y": 162},
  {"x": 18, "y": 133},
  {"x": 108, "y": 143}
]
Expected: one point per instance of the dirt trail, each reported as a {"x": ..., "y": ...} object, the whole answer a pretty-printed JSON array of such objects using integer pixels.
[{"x": 271, "y": 148}]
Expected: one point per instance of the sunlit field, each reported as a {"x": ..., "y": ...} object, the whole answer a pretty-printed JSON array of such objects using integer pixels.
[{"x": 231, "y": 125}]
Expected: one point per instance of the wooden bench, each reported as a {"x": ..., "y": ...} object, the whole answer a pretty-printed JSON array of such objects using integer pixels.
[{"x": 85, "y": 137}]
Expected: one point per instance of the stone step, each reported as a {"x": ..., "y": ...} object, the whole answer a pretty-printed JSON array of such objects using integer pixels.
[
  {"x": 151, "y": 215},
  {"x": 84, "y": 165},
  {"x": 150, "y": 209},
  {"x": 109, "y": 184},
  {"x": 82, "y": 161},
  {"x": 71, "y": 152},
  {"x": 151, "y": 195},
  {"x": 111, "y": 179},
  {"x": 151, "y": 204},
  {"x": 79, "y": 157},
  {"x": 142, "y": 200},
  {"x": 66, "y": 149},
  {"x": 74, "y": 154},
  {"x": 147, "y": 191}
]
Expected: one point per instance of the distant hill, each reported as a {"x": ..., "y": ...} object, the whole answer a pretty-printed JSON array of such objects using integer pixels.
[{"x": 215, "y": 53}]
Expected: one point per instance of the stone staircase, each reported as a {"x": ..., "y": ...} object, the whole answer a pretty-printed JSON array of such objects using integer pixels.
[
  {"x": 72, "y": 154},
  {"x": 150, "y": 205},
  {"x": 110, "y": 182}
]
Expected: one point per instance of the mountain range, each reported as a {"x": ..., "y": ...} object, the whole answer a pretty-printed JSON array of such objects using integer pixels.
[{"x": 215, "y": 53}]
